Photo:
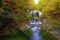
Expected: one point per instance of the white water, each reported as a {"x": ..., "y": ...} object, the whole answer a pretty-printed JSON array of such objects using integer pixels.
[{"x": 35, "y": 34}]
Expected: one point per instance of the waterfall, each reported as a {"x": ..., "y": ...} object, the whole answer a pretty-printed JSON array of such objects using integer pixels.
[
  {"x": 35, "y": 34},
  {"x": 35, "y": 24},
  {"x": 35, "y": 30}
]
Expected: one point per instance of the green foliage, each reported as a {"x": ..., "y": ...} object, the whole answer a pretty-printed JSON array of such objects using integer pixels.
[
  {"x": 16, "y": 35},
  {"x": 51, "y": 10},
  {"x": 47, "y": 35},
  {"x": 0, "y": 3},
  {"x": 13, "y": 14}
]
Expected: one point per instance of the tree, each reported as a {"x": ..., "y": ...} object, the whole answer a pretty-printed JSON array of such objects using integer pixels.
[{"x": 13, "y": 13}]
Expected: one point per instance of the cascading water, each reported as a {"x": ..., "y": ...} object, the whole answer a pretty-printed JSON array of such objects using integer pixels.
[
  {"x": 34, "y": 24},
  {"x": 35, "y": 32}
]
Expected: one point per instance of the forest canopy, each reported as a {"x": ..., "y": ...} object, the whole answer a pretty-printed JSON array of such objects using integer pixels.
[{"x": 16, "y": 13}]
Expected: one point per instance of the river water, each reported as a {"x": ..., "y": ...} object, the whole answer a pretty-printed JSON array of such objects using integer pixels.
[{"x": 35, "y": 34}]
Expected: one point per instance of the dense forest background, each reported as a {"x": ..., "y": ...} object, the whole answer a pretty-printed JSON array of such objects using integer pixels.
[{"x": 14, "y": 15}]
